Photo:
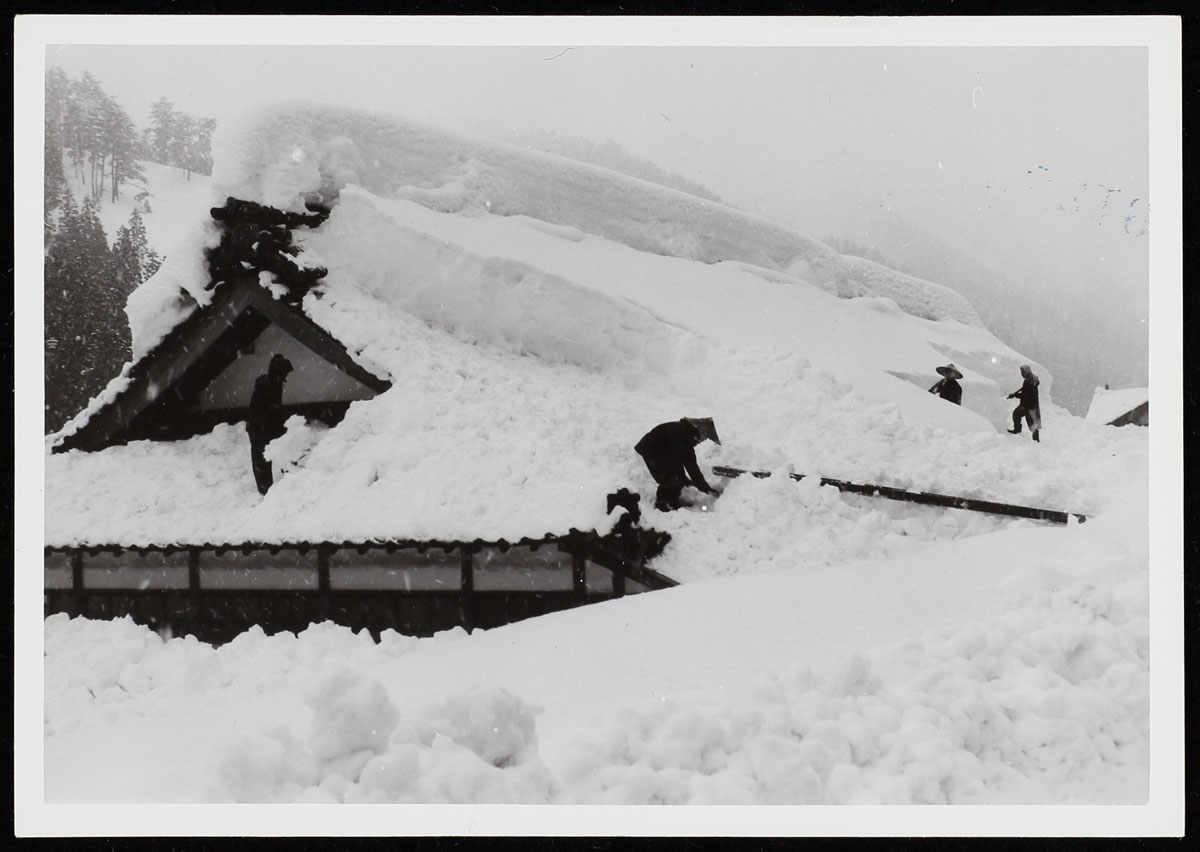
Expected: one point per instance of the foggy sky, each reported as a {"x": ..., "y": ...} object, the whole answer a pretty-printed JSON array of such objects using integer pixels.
[{"x": 1033, "y": 160}]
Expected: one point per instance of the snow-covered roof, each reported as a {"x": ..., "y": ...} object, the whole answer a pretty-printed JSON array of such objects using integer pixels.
[
  {"x": 535, "y": 316},
  {"x": 202, "y": 373},
  {"x": 1107, "y": 405}
]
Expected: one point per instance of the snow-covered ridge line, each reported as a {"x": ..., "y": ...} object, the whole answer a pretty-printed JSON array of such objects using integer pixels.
[
  {"x": 913, "y": 295},
  {"x": 279, "y": 156}
]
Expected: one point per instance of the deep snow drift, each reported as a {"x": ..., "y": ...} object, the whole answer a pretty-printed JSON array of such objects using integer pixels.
[
  {"x": 536, "y": 317},
  {"x": 536, "y": 354}
]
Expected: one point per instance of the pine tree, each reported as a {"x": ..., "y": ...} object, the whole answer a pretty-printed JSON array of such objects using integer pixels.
[
  {"x": 133, "y": 259},
  {"x": 162, "y": 131},
  {"x": 84, "y": 314},
  {"x": 200, "y": 148},
  {"x": 73, "y": 131},
  {"x": 179, "y": 147},
  {"x": 177, "y": 139},
  {"x": 91, "y": 99},
  {"x": 57, "y": 86},
  {"x": 121, "y": 145},
  {"x": 150, "y": 263}
]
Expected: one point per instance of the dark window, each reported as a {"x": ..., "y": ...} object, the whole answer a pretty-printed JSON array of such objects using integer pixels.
[
  {"x": 405, "y": 569},
  {"x": 259, "y": 569},
  {"x": 132, "y": 570},
  {"x": 523, "y": 569},
  {"x": 58, "y": 570}
]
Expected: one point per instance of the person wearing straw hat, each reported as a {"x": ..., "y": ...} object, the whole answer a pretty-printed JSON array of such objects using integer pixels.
[
  {"x": 669, "y": 451},
  {"x": 948, "y": 387}
]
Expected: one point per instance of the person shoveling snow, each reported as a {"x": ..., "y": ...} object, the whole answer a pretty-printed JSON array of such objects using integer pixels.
[{"x": 669, "y": 450}]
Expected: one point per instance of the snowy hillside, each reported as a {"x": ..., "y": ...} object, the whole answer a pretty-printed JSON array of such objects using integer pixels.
[
  {"x": 535, "y": 317},
  {"x": 167, "y": 199}
]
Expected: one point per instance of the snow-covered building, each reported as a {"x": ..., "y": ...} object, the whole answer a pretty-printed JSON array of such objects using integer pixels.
[
  {"x": 497, "y": 328},
  {"x": 1120, "y": 407}
]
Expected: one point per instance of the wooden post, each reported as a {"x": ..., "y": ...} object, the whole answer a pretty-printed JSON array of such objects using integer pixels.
[
  {"x": 579, "y": 576},
  {"x": 323, "y": 584},
  {"x": 77, "y": 590},
  {"x": 324, "y": 599},
  {"x": 194, "y": 596},
  {"x": 618, "y": 584},
  {"x": 468, "y": 587}
]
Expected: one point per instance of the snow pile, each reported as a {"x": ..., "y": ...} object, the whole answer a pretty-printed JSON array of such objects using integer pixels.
[
  {"x": 762, "y": 524},
  {"x": 525, "y": 363},
  {"x": 1039, "y": 696},
  {"x": 904, "y": 292},
  {"x": 1016, "y": 710},
  {"x": 480, "y": 298},
  {"x": 350, "y": 714},
  {"x": 284, "y": 156},
  {"x": 477, "y": 748},
  {"x": 356, "y": 744}
]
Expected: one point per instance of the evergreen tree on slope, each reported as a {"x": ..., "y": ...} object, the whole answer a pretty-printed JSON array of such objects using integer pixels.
[{"x": 84, "y": 314}]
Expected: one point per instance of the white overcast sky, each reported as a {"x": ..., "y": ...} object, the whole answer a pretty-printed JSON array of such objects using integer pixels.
[{"x": 1006, "y": 138}]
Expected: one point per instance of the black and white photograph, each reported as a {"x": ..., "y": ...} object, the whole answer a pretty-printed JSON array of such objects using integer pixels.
[{"x": 579, "y": 415}]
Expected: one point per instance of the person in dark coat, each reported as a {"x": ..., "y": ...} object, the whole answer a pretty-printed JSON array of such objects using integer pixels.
[
  {"x": 265, "y": 419},
  {"x": 669, "y": 450},
  {"x": 948, "y": 387},
  {"x": 1027, "y": 404}
]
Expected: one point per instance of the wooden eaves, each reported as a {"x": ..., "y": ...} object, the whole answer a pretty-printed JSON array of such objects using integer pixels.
[{"x": 154, "y": 403}]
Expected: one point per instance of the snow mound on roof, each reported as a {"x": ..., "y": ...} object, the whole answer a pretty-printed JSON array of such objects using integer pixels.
[
  {"x": 484, "y": 298},
  {"x": 912, "y": 295},
  {"x": 280, "y": 156}
]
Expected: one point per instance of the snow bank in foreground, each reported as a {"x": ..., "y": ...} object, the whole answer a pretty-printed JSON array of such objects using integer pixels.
[{"x": 1040, "y": 695}]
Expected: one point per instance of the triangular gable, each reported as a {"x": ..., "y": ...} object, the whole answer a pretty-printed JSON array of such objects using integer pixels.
[{"x": 203, "y": 372}]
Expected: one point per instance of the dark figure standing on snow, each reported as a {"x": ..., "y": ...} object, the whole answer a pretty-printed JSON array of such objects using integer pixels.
[
  {"x": 264, "y": 421},
  {"x": 669, "y": 450},
  {"x": 1027, "y": 405},
  {"x": 948, "y": 387}
]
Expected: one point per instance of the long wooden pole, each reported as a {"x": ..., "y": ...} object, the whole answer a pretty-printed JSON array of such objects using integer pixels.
[{"x": 922, "y": 497}]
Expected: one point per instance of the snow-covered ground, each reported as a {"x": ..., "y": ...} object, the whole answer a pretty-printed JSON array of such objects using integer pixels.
[
  {"x": 1007, "y": 668},
  {"x": 167, "y": 197},
  {"x": 535, "y": 317}
]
